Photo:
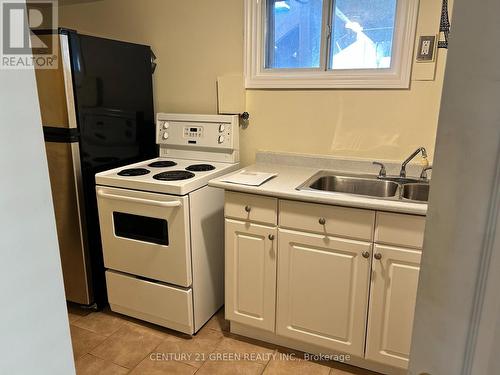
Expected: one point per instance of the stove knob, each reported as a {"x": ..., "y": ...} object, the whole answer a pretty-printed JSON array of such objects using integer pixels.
[
  {"x": 221, "y": 128},
  {"x": 221, "y": 139},
  {"x": 166, "y": 125},
  {"x": 165, "y": 135}
]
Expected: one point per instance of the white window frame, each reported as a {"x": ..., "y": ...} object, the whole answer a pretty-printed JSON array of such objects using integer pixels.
[{"x": 397, "y": 76}]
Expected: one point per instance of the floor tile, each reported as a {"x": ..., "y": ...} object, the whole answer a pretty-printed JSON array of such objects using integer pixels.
[
  {"x": 231, "y": 368},
  {"x": 218, "y": 322},
  {"x": 128, "y": 346},
  {"x": 158, "y": 367},
  {"x": 191, "y": 350},
  {"x": 343, "y": 369},
  {"x": 84, "y": 341},
  {"x": 152, "y": 328},
  {"x": 295, "y": 367},
  {"x": 75, "y": 312},
  {"x": 73, "y": 317},
  {"x": 90, "y": 365},
  {"x": 100, "y": 322},
  {"x": 232, "y": 348},
  {"x": 336, "y": 368}
]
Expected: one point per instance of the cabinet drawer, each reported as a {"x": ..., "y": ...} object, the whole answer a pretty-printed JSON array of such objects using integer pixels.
[
  {"x": 331, "y": 220},
  {"x": 165, "y": 305},
  {"x": 400, "y": 229},
  {"x": 251, "y": 207}
]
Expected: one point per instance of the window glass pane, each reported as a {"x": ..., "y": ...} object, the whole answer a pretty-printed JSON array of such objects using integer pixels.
[
  {"x": 363, "y": 32},
  {"x": 293, "y": 33}
]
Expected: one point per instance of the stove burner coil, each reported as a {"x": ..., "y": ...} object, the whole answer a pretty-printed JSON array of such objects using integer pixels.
[
  {"x": 133, "y": 172},
  {"x": 200, "y": 168},
  {"x": 173, "y": 176},
  {"x": 162, "y": 164}
]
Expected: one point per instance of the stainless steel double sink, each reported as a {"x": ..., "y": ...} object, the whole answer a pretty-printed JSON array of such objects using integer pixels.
[{"x": 391, "y": 188}]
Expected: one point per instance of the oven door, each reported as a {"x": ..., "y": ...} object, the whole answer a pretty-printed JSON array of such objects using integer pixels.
[{"x": 146, "y": 234}]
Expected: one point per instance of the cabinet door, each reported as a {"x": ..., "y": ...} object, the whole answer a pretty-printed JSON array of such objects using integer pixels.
[
  {"x": 323, "y": 290},
  {"x": 250, "y": 274},
  {"x": 392, "y": 304}
]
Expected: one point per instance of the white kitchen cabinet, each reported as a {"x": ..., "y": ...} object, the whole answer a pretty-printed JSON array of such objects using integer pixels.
[
  {"x": 248, "y": 207},
  {"x": 400, "y": 230},
  {"x": 334, "y": 221},
  {"x": 323, "y": 285},
  {"x": 250, "y": 273},
  {"x": 311, "y": 276},
  {"x": 392, "y": 304}
]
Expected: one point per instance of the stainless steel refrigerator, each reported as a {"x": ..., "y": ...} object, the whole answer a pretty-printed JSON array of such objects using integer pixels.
[{"x": 97, "y": 114}]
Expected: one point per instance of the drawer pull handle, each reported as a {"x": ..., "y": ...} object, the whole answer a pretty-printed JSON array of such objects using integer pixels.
[
  {"x": 322, "y": 221},
  {"x": 248, "y": 209},
  {"x": 366, "y": 254},
  {"x": 378, "y": 256},
  {"x": 271, "y": 237}
]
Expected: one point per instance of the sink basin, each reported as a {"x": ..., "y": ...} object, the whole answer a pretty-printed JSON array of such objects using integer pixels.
[
  {"x": 416, "y": 192},
  {"x": 352, "y": 185},
  {"x": 388, "y": 188}
]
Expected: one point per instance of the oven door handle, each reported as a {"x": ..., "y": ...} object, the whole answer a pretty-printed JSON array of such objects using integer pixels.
[{"x": 140, "y": 200}]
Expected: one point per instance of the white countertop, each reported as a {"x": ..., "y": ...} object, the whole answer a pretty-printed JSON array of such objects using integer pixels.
[{"x": 291, "y": 176}]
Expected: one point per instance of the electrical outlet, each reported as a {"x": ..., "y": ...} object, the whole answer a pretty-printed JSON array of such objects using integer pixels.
[{"x": 426, "y": 48}]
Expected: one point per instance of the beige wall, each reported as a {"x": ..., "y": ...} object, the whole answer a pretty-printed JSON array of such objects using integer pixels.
[{"x": 197, "y": 40}]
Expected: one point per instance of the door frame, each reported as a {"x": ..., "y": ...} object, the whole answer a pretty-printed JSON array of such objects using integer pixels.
[{"x": 457, "y": 315}]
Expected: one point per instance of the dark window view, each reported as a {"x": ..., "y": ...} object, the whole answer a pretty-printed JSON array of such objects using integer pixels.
[
  {"x": 294, "y": 33},
  {"x": 141, "y": 228}
]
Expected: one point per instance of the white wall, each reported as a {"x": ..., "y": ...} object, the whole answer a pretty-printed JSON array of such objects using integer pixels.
[
  {"x": 34, "y": 330},
  {"x": 196, "y": 41}
]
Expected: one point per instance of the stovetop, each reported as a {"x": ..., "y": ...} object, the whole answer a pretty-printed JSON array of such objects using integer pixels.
[{"x": 165, "y": 175}]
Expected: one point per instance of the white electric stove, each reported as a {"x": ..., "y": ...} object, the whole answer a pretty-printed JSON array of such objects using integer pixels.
[
  {"x": 165, "y": 175},
  {"x": 162, "y": 227}
]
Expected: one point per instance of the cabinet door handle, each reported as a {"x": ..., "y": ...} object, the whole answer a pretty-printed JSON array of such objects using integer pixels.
[
  {"x": 366, "y": 254},
  {"x": 322, "y": 221},
  {"x": 378, "y": 256},
  {"x": 248, "y": 208},
  {"x": 271, "y": 237}
]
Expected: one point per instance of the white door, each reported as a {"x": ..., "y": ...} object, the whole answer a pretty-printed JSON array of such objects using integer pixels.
[
  {"x": 146, "y": 234},
  {"x": 250, "y": 274},
  {"x": 392, "y": 304},
  {"x": 323, "y": 290}
]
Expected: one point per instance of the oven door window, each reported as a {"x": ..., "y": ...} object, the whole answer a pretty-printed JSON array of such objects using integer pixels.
[{"x": 141, "y": 228}]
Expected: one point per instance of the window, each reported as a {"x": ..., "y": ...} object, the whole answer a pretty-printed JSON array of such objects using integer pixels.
[{"x": 329, "y": 43}]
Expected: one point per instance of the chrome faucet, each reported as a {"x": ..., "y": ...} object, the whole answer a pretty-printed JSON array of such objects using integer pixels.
[
  {"x": 423, "y": 175},
  {"x": 410, "y": 158},
  {"x": 383, "y": 171}
]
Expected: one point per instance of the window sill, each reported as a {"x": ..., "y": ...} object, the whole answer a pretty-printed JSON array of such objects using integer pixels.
[{"x": 328, "y": 80}]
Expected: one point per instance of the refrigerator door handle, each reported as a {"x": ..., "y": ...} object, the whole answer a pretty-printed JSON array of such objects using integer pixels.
[{"x": 68, "y": 80}]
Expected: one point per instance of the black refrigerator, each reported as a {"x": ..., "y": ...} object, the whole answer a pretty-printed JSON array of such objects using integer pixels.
[{"x": 97, "y": 114}]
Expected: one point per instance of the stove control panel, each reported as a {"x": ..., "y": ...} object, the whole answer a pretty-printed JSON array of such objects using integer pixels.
[
  {"x": 197, "y": 132},
  {"x": 193, "y": 131}
]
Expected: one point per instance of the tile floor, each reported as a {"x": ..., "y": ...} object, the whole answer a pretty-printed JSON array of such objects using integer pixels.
[{"x": 108, "y": 343}]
